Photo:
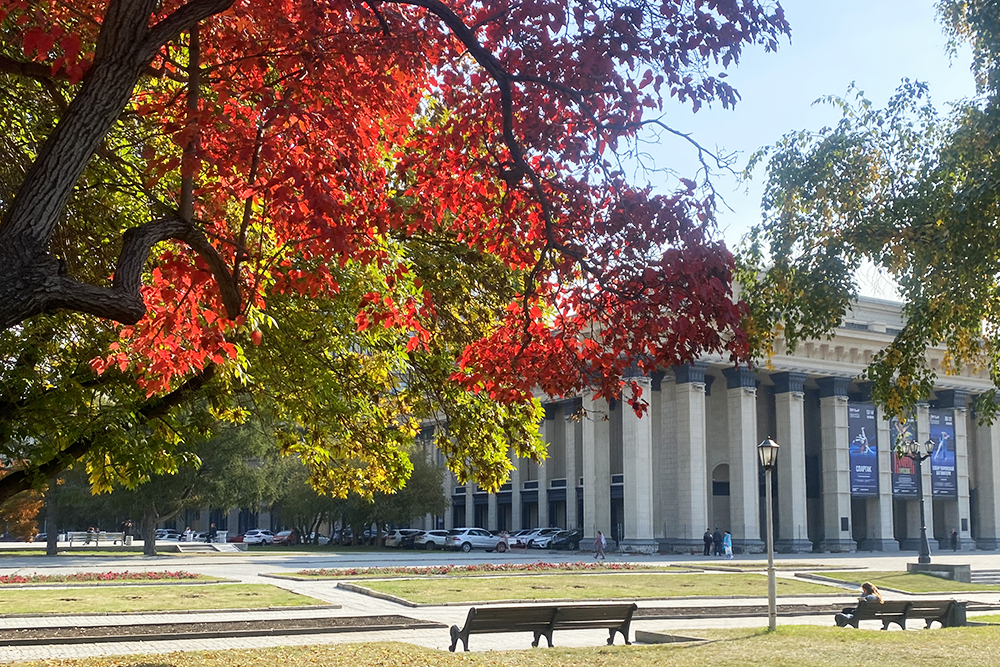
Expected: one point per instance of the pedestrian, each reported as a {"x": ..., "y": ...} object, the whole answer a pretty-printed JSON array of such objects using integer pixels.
[
  {"x": 707, "y": 539},
  {"x": 954, "y": 540},
  {"x": 599, "y": 544},
  {"x": 91, "y": 535},
  {"x": 211, "y": 533},
  {"x": 727, "y": 545},
  {"x": 188, "y": 534},
  {"x": 717, "y": 542},
  {"x": 869, "y": 593}
]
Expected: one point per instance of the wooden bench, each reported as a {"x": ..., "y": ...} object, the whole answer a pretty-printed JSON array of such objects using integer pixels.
[
  {"x": 543, "y": 620},
  {"x": 945, "y": 612},
  {"x": 95, "y": 537}
]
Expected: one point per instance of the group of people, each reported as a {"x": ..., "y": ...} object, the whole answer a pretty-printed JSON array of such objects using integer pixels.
[{"x": 718, "y": 544}]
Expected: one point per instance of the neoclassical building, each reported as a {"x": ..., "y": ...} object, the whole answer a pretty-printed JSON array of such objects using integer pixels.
[{"x": 656, "y": 482}]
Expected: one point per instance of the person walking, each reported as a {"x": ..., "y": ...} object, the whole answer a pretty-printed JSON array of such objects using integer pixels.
[
  {"x": 707, "y": 539},
  {"x": 727, "y": 545},
  {"x": 599, "y": 544},
  {"x": 717, "y": 542},
  {"x": 954, "y": 540}
]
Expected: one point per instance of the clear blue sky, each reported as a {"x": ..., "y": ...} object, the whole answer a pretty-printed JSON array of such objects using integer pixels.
[{"x": 874, "y": 43}]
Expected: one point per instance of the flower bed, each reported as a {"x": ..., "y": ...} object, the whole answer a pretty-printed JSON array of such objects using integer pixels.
[
  {"x": 481, "y": 568},
  {"x": 77, "y": 577}
]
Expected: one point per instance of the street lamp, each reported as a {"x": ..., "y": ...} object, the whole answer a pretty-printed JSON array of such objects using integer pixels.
[
  {"x": 767, "y": 451},
  {"x": 911, "y": 449}
]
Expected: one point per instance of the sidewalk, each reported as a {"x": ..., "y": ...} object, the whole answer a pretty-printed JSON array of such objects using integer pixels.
[{"x": 355, "y": 604}]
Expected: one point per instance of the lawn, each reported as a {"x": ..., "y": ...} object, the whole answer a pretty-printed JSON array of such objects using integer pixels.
[
  {"x": 590, "y": 586},
  {"x": 911, "y": 583},
  {"x": 148, "y": 598},
  {"x": 790, "y": 646}
]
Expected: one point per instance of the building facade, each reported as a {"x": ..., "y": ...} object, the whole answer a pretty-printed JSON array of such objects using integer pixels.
[{"x": 656, "y": 482}]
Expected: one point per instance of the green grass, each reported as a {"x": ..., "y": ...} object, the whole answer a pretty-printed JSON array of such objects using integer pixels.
[
  {"x": 148, "y": 598},
  {"x": 909, "y": 582},
  {"x": 75, "y": 551},
  {"x": 589, "y": 586},
  {"x": 790, "y": 646}
]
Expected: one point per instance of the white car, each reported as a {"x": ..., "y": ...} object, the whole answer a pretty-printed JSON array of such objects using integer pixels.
[
  {"x": 258, "y": 536},
  {"x": 431, "y": 539},
  {"x": 396, "y": 536},
  {"x": 468, "y": 539}
]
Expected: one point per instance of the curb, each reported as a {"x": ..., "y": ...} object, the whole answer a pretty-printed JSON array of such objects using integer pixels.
[
  {"x": 218, "y": 634},
  {"x": 243, "y": 610}
]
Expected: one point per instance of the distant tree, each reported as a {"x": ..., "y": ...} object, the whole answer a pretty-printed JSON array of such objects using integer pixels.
[{"x": 915, "y": 193}]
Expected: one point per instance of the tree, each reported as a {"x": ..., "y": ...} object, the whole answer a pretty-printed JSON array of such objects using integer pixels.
[
  {"x": 912, "y": 192},
  {"x": 232, "y": 469},
  {"x": 177, "y": 168}
]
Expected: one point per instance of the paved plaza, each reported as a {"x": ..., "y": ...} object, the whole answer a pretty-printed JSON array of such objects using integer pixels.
[{"x": 255, "y": 567}]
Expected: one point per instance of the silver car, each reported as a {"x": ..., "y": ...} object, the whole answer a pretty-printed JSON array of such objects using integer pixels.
[{"x": 468, "y": 539}]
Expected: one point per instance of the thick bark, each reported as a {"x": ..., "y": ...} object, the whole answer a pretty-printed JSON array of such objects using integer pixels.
[{"x": 31, "y": 281}]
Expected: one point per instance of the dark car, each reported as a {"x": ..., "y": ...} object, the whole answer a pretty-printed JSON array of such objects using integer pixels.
[
  {"x": 567, "y": 539},
  {"x": 408, "y": 540}
]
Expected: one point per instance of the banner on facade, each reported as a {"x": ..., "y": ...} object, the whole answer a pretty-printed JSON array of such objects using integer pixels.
[
  {"x": 944, "y": 481},
  {"x": 863, "y": 431},
  {"x": 904, "y": 470}
]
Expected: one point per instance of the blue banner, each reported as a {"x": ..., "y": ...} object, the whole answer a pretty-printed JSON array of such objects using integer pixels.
[
  {"x": 863, "y": 430},
  {"x": 944, "y": 481},
  {"x": 904, "y": 470}
]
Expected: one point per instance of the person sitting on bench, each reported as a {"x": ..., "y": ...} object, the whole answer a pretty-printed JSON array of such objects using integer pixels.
[{"x": 869, "y": 593}]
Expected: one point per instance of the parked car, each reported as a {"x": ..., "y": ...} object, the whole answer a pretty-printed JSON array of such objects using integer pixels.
[
  {"x": 231, "y": 538},
  {"x": 468, "y": 539},
  {"x": 409, "y": 540},
  {"x": 430, "y": 539},
  {"x": 567, "y": 539},
  {"x": 316, "y": 538},
  {"x": 286, "y": 538},
  {"x": 534, "y": 537},
  {"x": 343, "y": 536},
  {"x": 394, "y": 538},
  {"x": 258, "y": 536},
  {"x": 168, "y": 534}
]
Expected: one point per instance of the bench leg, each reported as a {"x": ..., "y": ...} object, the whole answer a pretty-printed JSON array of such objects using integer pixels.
[
  {"x": 538, "y": 637},
  {"x": 456, "y": 634}
]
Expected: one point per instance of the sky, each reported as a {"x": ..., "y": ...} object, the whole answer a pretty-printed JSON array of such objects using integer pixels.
[{"x": 873, "y": 43}]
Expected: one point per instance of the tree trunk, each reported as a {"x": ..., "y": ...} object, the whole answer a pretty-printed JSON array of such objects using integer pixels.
[
  {"x": 52, "y": 517},
  {"x": 148, "y": 528}
]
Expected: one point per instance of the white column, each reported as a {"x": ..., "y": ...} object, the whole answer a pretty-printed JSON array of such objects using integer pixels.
[
  {"x": 691, "y": 469},
  {"x": 744, "y": 493},
  {"x": 987, "y": 458},
  {"x": 470, "y": 504},
  {"x": 546, "y": 431},
  {"x": 515, "y": 493},
  {"x": 569, "y": 423},
  {"x": 834, "y": 442},
  {"x": 882, "y": 534},
  {"x": 789, "y": 403},
  {"x": 958, "y": 511},
  {"x": 637, "y": 441},
  {"x": 596, "y": 468}
]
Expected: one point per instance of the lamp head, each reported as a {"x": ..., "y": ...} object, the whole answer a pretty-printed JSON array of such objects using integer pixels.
[
  {"x": 929, "y": 446},
  {"x": 767, "y": 452}
]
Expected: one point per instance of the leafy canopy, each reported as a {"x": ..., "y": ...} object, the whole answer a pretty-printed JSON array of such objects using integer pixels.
[
  {"x": 193, "y": 186},
  {"x": 911, "y": 191}
]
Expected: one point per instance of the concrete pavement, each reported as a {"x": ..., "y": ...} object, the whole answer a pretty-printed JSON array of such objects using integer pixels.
[{"x": 251, "y": 566}]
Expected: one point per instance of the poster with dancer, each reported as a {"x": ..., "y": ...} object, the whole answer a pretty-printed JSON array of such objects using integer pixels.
[
  {"x": 904, "y": 470},
  {"x": 944, "y": 481},
  {"x": 863, "y": 450}
]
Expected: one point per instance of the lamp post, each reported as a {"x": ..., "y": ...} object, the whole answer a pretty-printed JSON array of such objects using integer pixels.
[
  {"x": 911, "y": 449},
  {"x": 767, "y": 451}
]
